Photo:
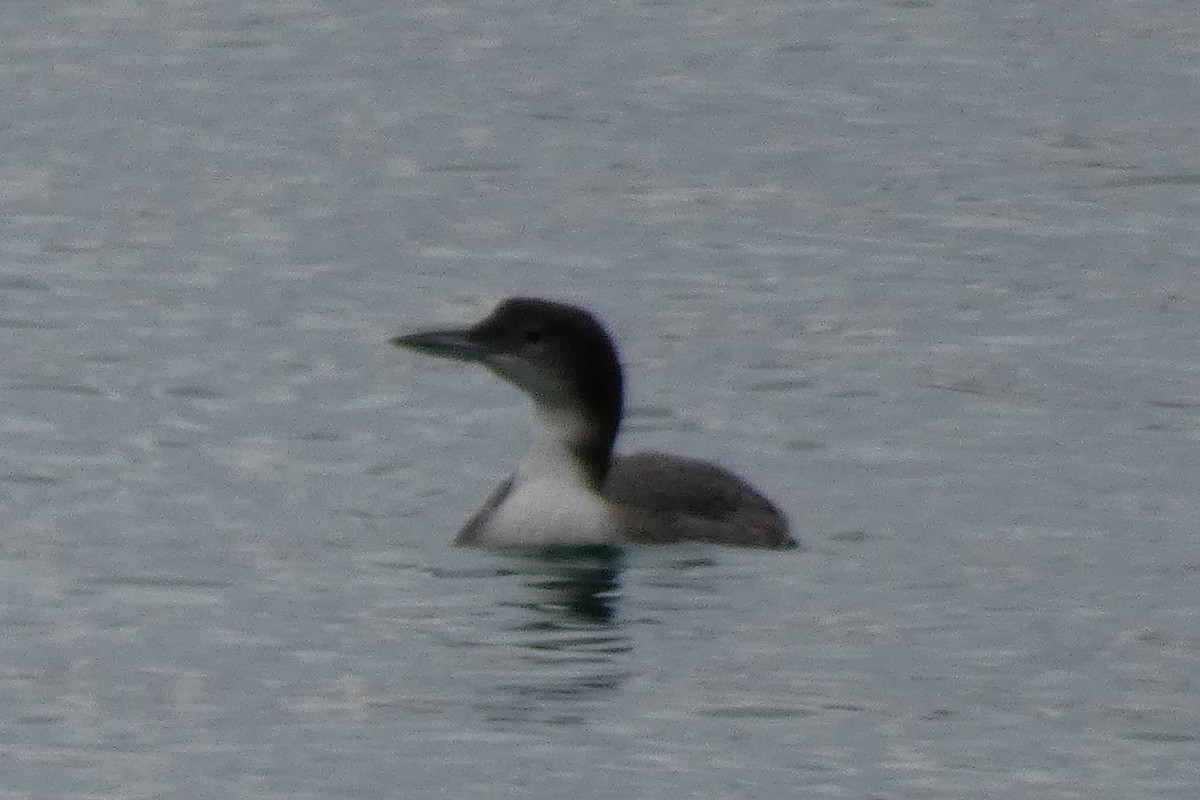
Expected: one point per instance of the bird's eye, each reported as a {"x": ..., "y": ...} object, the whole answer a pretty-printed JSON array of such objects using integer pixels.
[{"x": 531, "y": 335}]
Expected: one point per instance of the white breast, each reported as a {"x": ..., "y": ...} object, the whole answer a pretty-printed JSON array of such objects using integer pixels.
[{"x": 547, "y": 511}]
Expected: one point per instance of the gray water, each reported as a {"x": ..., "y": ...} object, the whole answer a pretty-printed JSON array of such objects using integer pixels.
[{"x": 927, "y": 272}]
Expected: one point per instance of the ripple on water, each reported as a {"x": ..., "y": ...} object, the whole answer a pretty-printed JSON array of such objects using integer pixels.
[{"x": 160, "y": 590}]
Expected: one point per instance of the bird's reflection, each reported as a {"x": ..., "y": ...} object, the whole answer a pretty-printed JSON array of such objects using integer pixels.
[
  {"x": 561, "y": 656},
  {"x": 584, "y": 582}
]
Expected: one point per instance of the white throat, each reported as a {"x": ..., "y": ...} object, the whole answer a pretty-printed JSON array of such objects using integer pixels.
[
  {"x": 551, "y": 453},
  {"x": 550, "y": 501}
]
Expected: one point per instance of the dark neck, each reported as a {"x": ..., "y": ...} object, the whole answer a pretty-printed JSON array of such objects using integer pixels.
[
  {"x": 604, "y": 409},
  {"x": 594, "y": 452},
  {"x": 601, "y": 402}
]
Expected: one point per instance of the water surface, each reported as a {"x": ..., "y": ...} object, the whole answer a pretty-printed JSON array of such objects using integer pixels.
[{"x": 926, "y": 272}]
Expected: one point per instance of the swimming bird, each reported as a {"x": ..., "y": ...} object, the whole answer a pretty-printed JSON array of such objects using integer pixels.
[{"x": 570, "y": 488}]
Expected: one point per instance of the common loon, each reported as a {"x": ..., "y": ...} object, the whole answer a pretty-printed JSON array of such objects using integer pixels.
[{"x": 571, "y": 489}]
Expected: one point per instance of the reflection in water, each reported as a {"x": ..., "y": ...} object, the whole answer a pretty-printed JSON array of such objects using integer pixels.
[
  {"x": 562, "y": 652},
  {"x": 583, "y": 581}
]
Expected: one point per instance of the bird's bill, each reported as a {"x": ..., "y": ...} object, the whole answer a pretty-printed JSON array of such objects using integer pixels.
[{"x": 455, "y": 344}]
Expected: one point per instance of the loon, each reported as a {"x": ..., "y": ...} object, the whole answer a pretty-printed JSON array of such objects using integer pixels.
[{"x": 570, "y": 488}]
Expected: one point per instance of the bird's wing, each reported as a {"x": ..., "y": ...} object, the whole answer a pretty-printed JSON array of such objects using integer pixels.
[{"x": 671, "y": 498}]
